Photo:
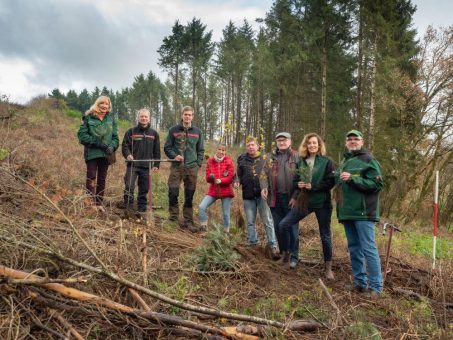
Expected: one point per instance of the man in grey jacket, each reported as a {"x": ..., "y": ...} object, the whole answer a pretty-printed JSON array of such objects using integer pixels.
[{"x": 277, "y": 188}]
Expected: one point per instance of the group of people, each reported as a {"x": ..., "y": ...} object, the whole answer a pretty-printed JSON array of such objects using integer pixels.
[{"x": 283, "y": 187}]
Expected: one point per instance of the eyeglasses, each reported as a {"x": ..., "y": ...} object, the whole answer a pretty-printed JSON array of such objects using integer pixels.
[{"x": 350, "y": 139}]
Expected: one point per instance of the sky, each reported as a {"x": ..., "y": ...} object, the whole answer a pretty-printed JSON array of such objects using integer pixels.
[{"x": 77, "y": 44}]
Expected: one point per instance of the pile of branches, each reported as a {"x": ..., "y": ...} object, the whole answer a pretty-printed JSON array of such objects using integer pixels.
[{"x": 79, "y": 276}]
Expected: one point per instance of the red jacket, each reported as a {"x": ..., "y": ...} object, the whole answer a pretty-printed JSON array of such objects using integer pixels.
[{"x": 223, "y": 171}]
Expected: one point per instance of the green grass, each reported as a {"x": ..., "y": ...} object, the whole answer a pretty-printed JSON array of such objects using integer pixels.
[{"x": 417, "y": 243}]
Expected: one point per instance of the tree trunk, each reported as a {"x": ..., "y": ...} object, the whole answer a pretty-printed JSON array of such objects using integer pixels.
[
  {"x": 322, "y": 129},
  {"x": 358, "y": 101},
  {"x": 372, "y": 121}
]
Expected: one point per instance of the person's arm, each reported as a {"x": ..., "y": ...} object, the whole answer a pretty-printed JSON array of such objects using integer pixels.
[
  {"x": 227, "y": 180},
  {"x": 115, "y": 140},
  {"x": 156, "y": 149},
  {"x": 126, "y": 145},
  {"x": 200, "y": 149},
  {"x": 84, "y": 136},
  {"x": 169, "y": 144},
  {"x": 209, "y": 178},
  {"x": 328, "y": 180},
  {"x": 370, "y": 180}
]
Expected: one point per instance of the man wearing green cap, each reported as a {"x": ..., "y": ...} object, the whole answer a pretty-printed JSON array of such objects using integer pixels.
[{"x": 359, "y": 181}]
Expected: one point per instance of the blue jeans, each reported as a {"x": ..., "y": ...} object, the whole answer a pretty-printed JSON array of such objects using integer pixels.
[
  {"x": 280, "y": 210},
  {"x": 251, "y": 207},
  {"x": 323, "y": 215},
  {"x": 363, "y": 250},
  {"x": 226, "y": 207}
]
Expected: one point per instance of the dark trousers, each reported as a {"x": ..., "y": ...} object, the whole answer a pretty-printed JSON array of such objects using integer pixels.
[
  {"x": 323, "y": 215},
  {"x": 96, "y": 173},
  {"x": 280, "y": 210},
  {"x": 189, "y": 177},
  {"x": 132, "y": 174}
]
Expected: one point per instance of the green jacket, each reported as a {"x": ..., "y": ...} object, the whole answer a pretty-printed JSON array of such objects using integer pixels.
[
  {"x": 94, "y": 132},
  {"x": 186, "y": 142},
  {"x": 321, "y": 179},
  {"x": 359, "y": 197}
]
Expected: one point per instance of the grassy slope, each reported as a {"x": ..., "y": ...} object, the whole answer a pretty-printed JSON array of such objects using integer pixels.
[{"x": 42, "y": 146}]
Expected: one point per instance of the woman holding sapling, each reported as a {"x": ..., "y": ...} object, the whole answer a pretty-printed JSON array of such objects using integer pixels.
[
  {"x": 99, "y": 136},
  {"x": 220, "y": 174},
  {"x": 313, "y": 180}
]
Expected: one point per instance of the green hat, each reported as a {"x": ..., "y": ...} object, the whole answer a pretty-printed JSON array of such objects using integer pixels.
[{"x": 354, "y": 133}]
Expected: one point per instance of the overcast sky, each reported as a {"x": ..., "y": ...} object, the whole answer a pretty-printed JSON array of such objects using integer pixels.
[{"x": 76, "y": 44}]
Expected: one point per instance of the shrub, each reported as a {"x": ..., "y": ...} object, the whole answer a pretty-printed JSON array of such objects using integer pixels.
[{"x": 217, "y": 252}]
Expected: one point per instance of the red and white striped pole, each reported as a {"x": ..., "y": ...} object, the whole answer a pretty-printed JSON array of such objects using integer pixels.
[{"x": 435, "y": 217}]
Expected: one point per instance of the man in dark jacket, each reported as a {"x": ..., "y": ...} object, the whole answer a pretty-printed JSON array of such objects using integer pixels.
[
  {"x": 277, "y": 188},
  {"x": 249, "y": 168},
  {"x": 140, "y": 142},
  {"x": 184, "y": 144},
  {"x": 359, "y": 181}
]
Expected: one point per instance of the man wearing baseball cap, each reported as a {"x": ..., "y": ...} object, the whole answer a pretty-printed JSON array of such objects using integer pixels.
[
  {"x": 359, "y": 181},
  {"x": 277, "y": 188}
]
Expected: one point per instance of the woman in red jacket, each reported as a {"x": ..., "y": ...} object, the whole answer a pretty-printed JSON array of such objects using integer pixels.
[{"x": 220, "y": 173}]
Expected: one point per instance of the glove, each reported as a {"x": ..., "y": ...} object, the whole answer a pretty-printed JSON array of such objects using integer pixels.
[
  {"x": 106, "y": 148},
  {"x": 109, "y": 150},
  {"x": 212, "y": 177}
]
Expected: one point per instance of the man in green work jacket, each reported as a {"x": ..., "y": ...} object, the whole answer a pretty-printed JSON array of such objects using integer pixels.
[
  {"x": 359, "y": 181},
  {"x": 185, "y": 144}
]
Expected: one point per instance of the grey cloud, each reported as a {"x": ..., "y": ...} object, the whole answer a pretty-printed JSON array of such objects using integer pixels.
[{"x": 69, "y": 40}]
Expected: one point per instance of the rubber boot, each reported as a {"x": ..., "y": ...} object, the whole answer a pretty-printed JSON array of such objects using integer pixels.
[
  {"x": 328, "y": 270},
  {"x": 187, "y": 213},
  {"x": 173, "y": 213}
]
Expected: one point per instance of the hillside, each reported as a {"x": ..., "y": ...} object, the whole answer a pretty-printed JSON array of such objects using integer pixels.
[{"x": 46, "y": 230}]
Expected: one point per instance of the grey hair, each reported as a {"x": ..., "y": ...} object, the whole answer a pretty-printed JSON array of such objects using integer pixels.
[{"x": 140, "y": 111}]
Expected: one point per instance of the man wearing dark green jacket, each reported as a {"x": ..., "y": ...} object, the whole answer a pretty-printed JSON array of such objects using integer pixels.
[
  {"x": 359, "y": 181},
  {"x": 184, "y": 144}
]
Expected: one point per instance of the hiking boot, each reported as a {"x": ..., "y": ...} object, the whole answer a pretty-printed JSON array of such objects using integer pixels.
[
  {"x": 275, "y": 254},
  {"x": 372, "y": 294},
  {"x": 121, "y": 205},
  {"x": 356, "y": 289},
  {"x": 328, "y": 270},
  {"x": 284, "y": 260},
  {"x": 293, "y": 264}
]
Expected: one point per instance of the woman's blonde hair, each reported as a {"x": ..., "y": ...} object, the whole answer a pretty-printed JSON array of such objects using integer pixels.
[
  {"x": 94, "y": 109},
  {"x": 303, "y": 150}
]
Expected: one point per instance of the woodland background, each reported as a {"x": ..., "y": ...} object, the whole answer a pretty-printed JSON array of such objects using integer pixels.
[{"x": 323, "y": 66}]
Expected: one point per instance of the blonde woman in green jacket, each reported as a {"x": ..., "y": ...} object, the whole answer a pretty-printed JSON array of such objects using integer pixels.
[{"x": 99, "y": 136}]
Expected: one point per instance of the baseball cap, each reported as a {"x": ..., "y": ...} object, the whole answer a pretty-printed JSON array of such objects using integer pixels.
[
  {"x": 354, "y": 133},
  {"x": 283, "y": 134}
]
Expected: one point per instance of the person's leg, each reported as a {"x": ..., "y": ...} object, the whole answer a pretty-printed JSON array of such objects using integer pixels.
[
  {"x": 92, "y": 167},
  {"x": 323, "y": 215},
  {"x": 226, "y": 208},
  {"x": 205, "y": 203},
  {"x": 289, "y": 227},
  {"x": 174, "y": 179},
  {"x": 278, "y": 212},
  {"x": 143, "y": 188},
  {"x": 266, "y": 218},
  {"x": 250, "y": 214},
  {"x": 103, "y": 166},
  {"x": 365, "y": 232},
  {"x": 356, "y": 254},
  {"x": 190, "y": 184},
  {"x": 129, "y": 184}
]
